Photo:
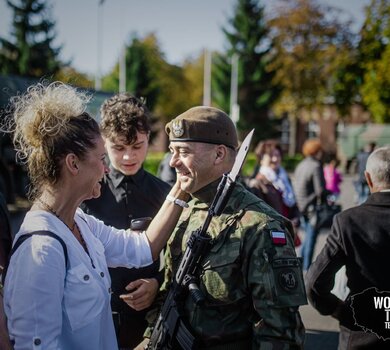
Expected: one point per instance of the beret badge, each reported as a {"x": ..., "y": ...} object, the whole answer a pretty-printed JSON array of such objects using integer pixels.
[{"x": 177, "y": 128}]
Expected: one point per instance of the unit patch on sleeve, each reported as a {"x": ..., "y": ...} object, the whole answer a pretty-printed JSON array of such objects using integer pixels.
[
  {"x": 288, "y": 280},
  {"x": 278, "y": 237}
]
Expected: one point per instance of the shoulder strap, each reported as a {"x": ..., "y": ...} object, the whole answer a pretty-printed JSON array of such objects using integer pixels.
[{"x": 26, "y": 236}]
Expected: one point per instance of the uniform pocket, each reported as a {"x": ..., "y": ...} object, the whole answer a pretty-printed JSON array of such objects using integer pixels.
[
  {"x": 222, "y": 267},
  {"x": 84, "y": 299}
]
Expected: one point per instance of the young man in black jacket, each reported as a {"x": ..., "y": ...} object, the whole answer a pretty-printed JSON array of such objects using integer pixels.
[{"x": 128, "y": 192}]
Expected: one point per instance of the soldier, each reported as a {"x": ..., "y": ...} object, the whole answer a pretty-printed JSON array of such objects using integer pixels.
[{"x": 252, "y": 279}]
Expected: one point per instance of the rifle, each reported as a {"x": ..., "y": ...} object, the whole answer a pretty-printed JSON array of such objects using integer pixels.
[{"x": 170, "y": 330}]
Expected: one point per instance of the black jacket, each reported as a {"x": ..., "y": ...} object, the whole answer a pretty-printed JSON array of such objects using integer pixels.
[
  {"x": 360, "y": 240},
  {"x": 122, "y": 199}
]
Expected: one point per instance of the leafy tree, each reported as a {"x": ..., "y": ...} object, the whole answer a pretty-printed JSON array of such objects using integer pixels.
[
  {"x": 30, "y": 52},
  {"x": 247, "y": 36},
  {"x": 168, "y": 89},
  {"x": 374, "y": 54},
  {"x": 311, "y": 43},
  {"x": 140, "y": 79},
  {"x": 70, "y": 75},
  {"x": 181, "y": 87}
]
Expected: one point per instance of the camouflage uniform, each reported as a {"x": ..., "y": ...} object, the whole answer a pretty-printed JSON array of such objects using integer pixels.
[{"x": 253, "y": 286}]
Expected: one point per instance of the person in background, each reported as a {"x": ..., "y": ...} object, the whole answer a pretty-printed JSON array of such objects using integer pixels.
[
  {"x": 360, "y": 240},
  {"x": 333, "y": 177},
  {"x": 251, "y": 296},
  {"x": 310, "y": 190},
  {"x": 271, "y": 183},
  {"x": 271, "y": 170},
  {"x": 361, "y": 186},
  {"x": 54, "y": 302},
  {"x": 165, "y": 172},
  {"x": 128, "y": 192}
]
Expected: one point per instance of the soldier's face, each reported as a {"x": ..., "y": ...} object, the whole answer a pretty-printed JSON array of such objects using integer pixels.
[{"x": 194, "y": 164}]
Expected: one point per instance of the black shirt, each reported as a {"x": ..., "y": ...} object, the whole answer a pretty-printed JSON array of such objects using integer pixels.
[{"x": 122, "y": 199}]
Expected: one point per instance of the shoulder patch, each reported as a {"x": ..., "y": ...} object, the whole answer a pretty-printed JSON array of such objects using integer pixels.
[
  {"x": 278, "y": 238},
  {"x": 288, "y": 279}
]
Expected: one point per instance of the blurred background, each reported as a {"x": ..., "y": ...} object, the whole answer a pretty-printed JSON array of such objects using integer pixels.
[{"x": 291, "y": 69}]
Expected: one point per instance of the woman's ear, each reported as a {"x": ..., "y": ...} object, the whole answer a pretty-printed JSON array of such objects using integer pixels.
[{"x": 71, "y": 163}]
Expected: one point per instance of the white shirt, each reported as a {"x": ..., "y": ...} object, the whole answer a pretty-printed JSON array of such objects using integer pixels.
[{"x": 51, "y": 307}]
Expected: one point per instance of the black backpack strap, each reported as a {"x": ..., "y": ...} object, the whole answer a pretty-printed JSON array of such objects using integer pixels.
[{"x": 26, "y": 236}]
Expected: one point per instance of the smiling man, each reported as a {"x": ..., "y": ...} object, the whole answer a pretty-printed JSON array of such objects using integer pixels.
[
  {"x": 251, "y": 277},
  {"x": 128, "y": 192}
]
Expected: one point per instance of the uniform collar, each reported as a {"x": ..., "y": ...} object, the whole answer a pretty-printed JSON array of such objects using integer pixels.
[
  {"x": 205, "y": 195},
  {"x": 118, "y": 178}
]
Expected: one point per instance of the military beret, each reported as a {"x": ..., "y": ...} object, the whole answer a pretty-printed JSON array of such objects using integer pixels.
[{"x": 203, "y": 124}]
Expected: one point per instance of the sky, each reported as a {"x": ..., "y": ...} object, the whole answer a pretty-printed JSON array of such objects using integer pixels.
[{"x": 183, "y": 27}]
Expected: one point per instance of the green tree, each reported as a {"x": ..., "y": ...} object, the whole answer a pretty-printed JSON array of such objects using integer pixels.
[
  {"x": 168, "y": 89},
  {"x": 70, "y": 75},
  {"x": 141, "y": 54},
  {"x": 374, "y": 54},
  {"x": 311, "y": 43},
  {"x": 247, "y": 36},
  {"x": 181, "y": 87},
  {"x": 30, "y": 52}
]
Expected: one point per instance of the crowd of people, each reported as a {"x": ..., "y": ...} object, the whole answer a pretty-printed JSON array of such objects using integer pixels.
[{"x": 100, "y": 248}]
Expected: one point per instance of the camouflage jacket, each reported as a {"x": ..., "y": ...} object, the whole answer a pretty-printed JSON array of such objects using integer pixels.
[{"x": 252, "y": 279}]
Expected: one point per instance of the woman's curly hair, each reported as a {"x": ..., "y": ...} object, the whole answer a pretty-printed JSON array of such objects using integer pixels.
[{"x": 49, "y": 121}]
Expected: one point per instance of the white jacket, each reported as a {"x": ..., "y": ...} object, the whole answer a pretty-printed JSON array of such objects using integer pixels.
[{"x": 51, "y": 307}]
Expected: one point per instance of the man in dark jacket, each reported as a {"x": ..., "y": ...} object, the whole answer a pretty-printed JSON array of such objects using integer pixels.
[
  {"x": 128, "y": 192},
  {"x": 360, "y": 240}
]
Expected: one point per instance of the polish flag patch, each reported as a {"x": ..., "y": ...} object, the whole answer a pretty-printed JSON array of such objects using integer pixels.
[{"x": 278, "y": 237}]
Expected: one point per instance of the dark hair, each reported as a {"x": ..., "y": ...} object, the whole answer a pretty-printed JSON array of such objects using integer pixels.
[
  {"x": 124, "y": 115},
  {"x": 267, "y": 147}
]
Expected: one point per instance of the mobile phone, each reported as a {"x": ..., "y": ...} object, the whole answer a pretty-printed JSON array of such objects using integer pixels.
[{"x": 140, "y": 224}]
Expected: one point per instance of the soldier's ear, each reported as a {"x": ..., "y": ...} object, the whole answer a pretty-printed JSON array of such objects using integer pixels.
[{"x": 220, "y": 154}]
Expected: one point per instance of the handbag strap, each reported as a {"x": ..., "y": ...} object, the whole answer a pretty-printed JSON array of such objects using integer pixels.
[{"x": 26, "y": 236}]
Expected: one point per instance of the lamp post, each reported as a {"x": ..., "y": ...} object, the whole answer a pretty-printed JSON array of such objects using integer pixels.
[
  {"x": 234, "y": 107},
  {"x": 98, "y": 82},
  {"x": 207, "y": 78},
  {"x": 122, "y": 70}
]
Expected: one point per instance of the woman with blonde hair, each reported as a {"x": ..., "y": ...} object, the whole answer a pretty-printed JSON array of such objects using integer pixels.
[{"x": 57, "y": 288}]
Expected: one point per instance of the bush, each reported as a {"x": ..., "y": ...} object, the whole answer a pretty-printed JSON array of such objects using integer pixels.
[{"x": 152, "y": 161}]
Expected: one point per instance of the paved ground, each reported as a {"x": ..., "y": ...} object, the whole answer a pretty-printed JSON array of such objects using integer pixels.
[{"x": 322, "y": 331}]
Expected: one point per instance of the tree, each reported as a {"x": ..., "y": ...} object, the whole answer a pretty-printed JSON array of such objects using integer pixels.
[
  {"x": 168, "y": 89},
  {"x": 247, "y": 36},
  {"x": 374, "y": 54},
  {"x": 70, "y": 75},
  {"x": 30, "y": 52},
  {"x": 141, "y": 54},
  {"x": 310, "y": 44}
]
